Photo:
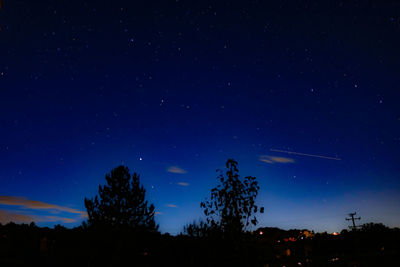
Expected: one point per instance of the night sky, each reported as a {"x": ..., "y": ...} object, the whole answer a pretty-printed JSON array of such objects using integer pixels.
[{"x": 172, "y": 89}]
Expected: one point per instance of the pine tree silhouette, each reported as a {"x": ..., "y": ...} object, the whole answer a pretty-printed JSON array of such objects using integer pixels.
[{"x": 121, "y": 203}]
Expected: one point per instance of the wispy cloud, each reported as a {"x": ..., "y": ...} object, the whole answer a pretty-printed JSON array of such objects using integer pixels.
[
  {"x": 17, "y": 217},
  {"x": 6, "y": 217},
  {"x": 158, "y": 213},
  {"x": 182, "y": 184},
  {"x": 55, "y": 219},
  {"x": 171, "y": 205},
  {"x": 37, "y": 205},
  {"x": 175, "y": 169},
  {"x": 274, "y": 159}
]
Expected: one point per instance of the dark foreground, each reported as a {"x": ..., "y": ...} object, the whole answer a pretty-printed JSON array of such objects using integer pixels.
[{"x": 28, "y": 245}]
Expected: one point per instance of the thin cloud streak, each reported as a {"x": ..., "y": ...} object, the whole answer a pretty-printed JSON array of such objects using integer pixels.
[
  {"x": 272, "y": 159},
  {"x": 12, "y": 216},
  {"x": 175, "y": 169},
  {"x": 37, "y": 205},
  {"x": 6, "y": 217},
  {"x": 171, "y": 205},
  {"x": 183, "y": 184},
  {"x": 55, "y": 219}
]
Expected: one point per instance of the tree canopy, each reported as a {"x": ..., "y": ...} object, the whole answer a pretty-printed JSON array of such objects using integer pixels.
[
  {"x": 232, "y": 206},
  {"x": 121, "y": 203}
]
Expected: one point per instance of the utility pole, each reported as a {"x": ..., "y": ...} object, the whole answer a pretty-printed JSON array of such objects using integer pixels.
[{"x": 354, "y": 227}]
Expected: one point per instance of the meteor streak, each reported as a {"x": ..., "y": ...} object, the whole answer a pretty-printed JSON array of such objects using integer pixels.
[{"x": 303, "y": 154}]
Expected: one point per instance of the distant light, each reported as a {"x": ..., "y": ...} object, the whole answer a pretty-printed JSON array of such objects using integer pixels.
[
  {"x": 261, "y": 233},
  {"x": 335, "y": 233},
  {"x": 140, "y": 158}
]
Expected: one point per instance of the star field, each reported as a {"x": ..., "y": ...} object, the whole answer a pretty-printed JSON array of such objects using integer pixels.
[{"x": 173, "y": 88}]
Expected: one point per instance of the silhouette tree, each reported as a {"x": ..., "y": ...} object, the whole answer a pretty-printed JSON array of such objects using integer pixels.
[
  {"x": 197, "y": 229},
  {"x": 232, "y": 205},
  {"x": 121, "y": 203},
  {"x": 374, "y": 227}
]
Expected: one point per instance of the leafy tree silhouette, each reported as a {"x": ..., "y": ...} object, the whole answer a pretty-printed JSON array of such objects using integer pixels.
[
  {"x": 232, "y": 205},
  {"x": 374, "y": 227},
  {"x": 121, "y": 203},
  {"x": 197, "y": 229}
]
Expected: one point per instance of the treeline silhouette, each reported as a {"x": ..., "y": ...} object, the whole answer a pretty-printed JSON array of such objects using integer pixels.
[
  {"x": 29, "y": 245},
  {"x": 121, "y": 231}
]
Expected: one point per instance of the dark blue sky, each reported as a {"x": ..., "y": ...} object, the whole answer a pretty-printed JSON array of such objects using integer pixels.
[{"x": 172, "y": 89}]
